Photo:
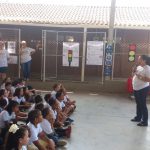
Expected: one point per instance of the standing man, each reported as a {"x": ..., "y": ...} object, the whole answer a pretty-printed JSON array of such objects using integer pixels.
[
  {"x": 140, "y": 83},
  {"x": 25, "y": 53},
  {"x": 4, "y": 56}
]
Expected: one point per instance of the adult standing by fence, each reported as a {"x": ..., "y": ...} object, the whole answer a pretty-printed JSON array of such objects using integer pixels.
[
  {"x": 140, "y": 83},
  {"x": 4, "y": 56},
  {"x": 25, "y": 53}
]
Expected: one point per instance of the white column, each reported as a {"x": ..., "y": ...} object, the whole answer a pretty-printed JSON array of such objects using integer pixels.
[{"x": 83, "y": 55}]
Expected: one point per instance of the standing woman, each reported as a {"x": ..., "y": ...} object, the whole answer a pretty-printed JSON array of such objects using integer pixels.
[
  {"x": 3, "y": 60},
  {"x": 140, "y": 83},
  {"x": 25, "y": 53}
]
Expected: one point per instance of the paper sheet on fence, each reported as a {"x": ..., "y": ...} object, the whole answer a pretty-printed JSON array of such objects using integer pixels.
[
  {"x": 94, "y": 52},
  {"x": 13, "y": 60},
  {"x": 70, "y": 54},
  {"x": 11, "y": 47}
]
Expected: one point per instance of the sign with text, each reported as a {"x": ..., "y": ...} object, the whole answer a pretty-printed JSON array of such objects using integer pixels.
[{"x": 95, "y": 50}]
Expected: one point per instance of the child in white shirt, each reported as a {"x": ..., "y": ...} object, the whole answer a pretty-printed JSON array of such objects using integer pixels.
[
  {"x": 35, "y": 118},
  {"x": 47, "y": 126}
]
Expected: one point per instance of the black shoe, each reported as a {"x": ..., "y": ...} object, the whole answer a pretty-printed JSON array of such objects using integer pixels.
[
  {"x": 135, "y": 120},
  {"x": 142, "y": 124}
]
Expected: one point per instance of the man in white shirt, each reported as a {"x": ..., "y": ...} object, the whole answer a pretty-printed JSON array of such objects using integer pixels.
[
  {"x": 25, "y": 54},
  {"x": 140, "y": 84}
]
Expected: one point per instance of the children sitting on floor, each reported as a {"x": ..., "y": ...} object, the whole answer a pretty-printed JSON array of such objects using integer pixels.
[{"x": 55, "y": 112}]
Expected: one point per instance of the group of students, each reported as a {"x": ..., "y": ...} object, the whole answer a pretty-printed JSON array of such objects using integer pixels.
[{"x": 29, "y": 121}]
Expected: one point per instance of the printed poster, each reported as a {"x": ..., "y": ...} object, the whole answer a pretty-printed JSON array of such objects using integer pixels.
[
  {"x": 13, "y": 60},
  {"x": 11, "y": 47},
  {"x": 94, "y": 53},
  {"x": 71, "y": 54}
]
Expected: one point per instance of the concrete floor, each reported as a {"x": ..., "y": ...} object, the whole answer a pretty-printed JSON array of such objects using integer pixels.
[{"x": 102, "y": 122}]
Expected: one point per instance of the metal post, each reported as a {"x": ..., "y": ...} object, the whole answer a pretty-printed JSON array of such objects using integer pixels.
[
  {"x": 83, "y": 55},
  {"x": 103, "y": 58},
  {"x": 111, "y": 22},
  {"x": 109, "y": 48},
  {"x": 113, "y": 63},
  {"x": 57, "y": 55},
  {"x": 19, "y": 72},
  {"x": 44, "y": 56}
]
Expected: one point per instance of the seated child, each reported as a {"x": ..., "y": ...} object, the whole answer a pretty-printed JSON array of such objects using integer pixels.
[
  {"x": 56, "y": 87},
  {"x": 4, "y": 94},
  {"x": 37, "y": 99},
  {"x": 8, "y": 116},
  {"x": 65, "y": 109},
  {"x": 35, "y": 118},
  {"x": 47, "y": 126},
  {"x": 18, "y": 138},
  {"x": 3, "y": 104},
  {"x": 47, "y": 97},
  {"x": 18, "y": 97},
  {"x": 2, "y": 85},
  {"x": 39, "y": 106},
  {"x": 29, "y": 96},
  {"x": 59, "y": 119}
]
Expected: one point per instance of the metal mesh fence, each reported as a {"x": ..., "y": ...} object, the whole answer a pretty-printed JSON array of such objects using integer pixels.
[
  {"x": 11, "y": 36},
  {"x": 53, "y": 56}
]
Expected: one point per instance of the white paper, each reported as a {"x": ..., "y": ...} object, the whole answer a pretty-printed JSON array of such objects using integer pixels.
[
  {"x": 11, "y": 47},
  {"x": 70, "y": 50},
  {"x": 95, "y": 50},
  {"x": 13, "y": 60}
]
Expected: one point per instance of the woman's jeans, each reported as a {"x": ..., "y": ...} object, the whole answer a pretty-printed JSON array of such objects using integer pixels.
[
  {"x": 141, "y": 107},
  {"x": 26, "y": 67}
]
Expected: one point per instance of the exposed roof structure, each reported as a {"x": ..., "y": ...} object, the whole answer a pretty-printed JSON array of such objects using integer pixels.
[{"x": 80, "y": 16}]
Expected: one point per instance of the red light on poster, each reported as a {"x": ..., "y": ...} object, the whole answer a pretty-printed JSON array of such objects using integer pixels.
[{"x": 131, "y": 54}]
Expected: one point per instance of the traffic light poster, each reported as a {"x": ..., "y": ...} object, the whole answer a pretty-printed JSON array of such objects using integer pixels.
[
  {"x": 95, "y": 50},
  {"x": 70, "y": 54},
  {"x": 132, "y": 51}
]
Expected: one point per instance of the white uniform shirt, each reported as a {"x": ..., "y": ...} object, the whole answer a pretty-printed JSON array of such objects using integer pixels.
[
  {"x": 7, "y": 100},
  {"x": 46, "y": 126},
  {"x": 19, "y": 99},
  {"x": 61, "y": 104},
  {"x": 4, "y": 55},
  {"x": 137, "y": 83},
  {"x": 4, "y": 116},
  {"x": 53, "y": 94},
  {"x": 54, "y": 114},
  {"x": 26, "y": 54},
  {"x": 24, "y": 148},
  {"x": 34, "y": 132}
]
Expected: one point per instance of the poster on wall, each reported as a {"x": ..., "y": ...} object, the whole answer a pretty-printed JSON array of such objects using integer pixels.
[
  {"x": 94, "y": 52},
  {"x": 70, "y": 54},
  {"x": 13, "y": 60},
  {"x": 11, "y": 46}
]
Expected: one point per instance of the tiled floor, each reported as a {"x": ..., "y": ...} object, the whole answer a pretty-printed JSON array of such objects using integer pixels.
[{"x": 102, "y": 122}]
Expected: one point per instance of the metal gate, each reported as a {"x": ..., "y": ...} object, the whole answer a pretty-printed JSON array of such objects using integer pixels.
[
  {"x": 53, "y": 56},
  {"x": 12, "y": 40}
]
